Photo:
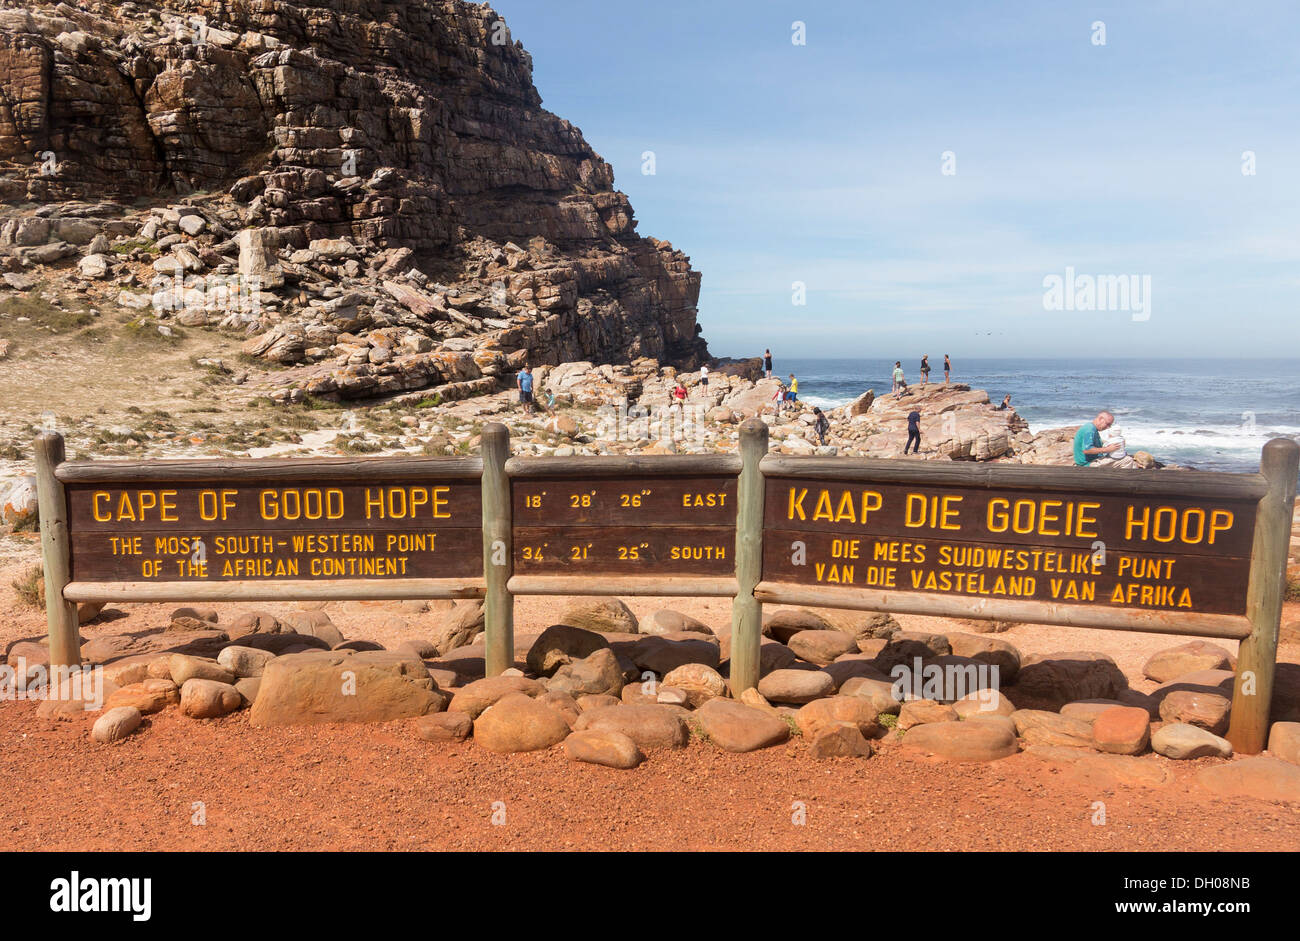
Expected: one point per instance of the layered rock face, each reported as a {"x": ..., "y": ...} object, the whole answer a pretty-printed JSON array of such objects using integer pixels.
[{"x": 409, "y": 132}]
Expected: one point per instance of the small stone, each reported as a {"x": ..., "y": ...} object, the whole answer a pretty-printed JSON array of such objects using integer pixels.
[
  {"x": 672, "y": 696},
  {"x": 667, "y": 621},
  {"x": 821, "y": 647},
  {"x": 881, "y": 693},
  {"x": 598, "y": 673},
  {"x": 560, "y": 644},
  {"x": 116, "y": 724},
  {"x": 1040, "y": 727},
  {"x": 1209, "y": 711},
  {"x": 983, "y": 702},
  {"x": 820, "y": 714}
]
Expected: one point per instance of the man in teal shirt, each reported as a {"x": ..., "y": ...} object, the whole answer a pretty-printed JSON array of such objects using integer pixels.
[{"x": 1087, "y": 440}]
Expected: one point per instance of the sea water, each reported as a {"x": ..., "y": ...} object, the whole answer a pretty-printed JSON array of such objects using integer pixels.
[{"x": 1210, "y": 414}]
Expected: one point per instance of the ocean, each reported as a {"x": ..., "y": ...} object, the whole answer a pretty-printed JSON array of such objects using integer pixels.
[{"x": 1210, "y": 414}]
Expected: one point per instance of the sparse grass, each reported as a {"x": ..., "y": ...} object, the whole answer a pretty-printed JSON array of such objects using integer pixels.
[
  {"x": 356, "y": 445},
  {"x": 314, "y": 403},
  {"x": 136, "y": 245},
  {"x": 887, "y": 720},
  {"x": 42, "y": 314},
  {"x": 28, "y": 524},
  {"x": 30, "y": 587},
  {"x": 794, "y": 726},
  {"x": 697, "y": 731},
  {"x": 11, "y": 452},
  {"x": 432, "y": 401},
  {"x": 1292, "y": 588}
]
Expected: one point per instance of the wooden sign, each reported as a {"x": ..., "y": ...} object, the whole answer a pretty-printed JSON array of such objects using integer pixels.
[
  {"x": 626, "y": 526},
  {"x": 323, "y": 525},
  {"x": 1062, "y": 547}
]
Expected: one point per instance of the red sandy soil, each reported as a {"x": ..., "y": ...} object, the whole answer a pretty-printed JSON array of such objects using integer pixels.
[{"x": 379, "y": 787}]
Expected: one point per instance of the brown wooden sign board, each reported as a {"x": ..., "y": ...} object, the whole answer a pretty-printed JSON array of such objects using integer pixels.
[
  {"x": 1053, "y": 546},
  {"x": 166, "y": 531},
  {"x": 660, "y": 526}
]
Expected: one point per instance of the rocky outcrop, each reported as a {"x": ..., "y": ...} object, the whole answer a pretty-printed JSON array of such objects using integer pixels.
[{"x": 385, "y": 172}]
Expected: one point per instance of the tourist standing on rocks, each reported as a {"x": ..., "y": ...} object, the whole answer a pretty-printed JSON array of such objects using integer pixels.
[
  {"x": 767, "y": 363},
  {"x": 679, "y": 393},
  {"x": 704, "y": 378},
  {"x": 821, "y": 425},
  {"x": 525, "y": 382},
  {"x": 900, "y": 382},
  {"x": 925, "y": 371},
  {"x": 1088, "y": 449},
  {"x": 947, "y": 368},
  {"x": 1006, "y": 404},
  {"x": 913, "y": 432},
  {"x": 794, "y": 388},
  {"x": 778, "y": 398}
]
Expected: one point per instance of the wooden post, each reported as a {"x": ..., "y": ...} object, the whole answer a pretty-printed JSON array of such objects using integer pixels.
[
  {"x": 1257, "y": 658},
  {"x": 56, "y": 553},
  {"x": 746, "y": 610},
  {"x": 498, "y": 554}
]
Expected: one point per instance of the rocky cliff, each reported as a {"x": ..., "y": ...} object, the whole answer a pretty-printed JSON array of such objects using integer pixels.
[{"x": 378, "y": 180}]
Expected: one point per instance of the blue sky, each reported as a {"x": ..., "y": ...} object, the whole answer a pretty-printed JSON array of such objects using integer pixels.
[{"x": 821, "y": 163}]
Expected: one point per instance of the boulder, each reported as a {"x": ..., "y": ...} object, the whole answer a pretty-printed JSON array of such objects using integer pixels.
[
  {"x": 1284, "y": 741},
  {"x": 650, "y": 726},
  {"x": 821, "y": 647},
  {"x": 184, "y": 668},
  {"x": 662, "y": 654},
  {"x": 1260, "y": 777},
  {"x": 839, "y": 740},
  {"x": 315, "y": 624},
  {"x": 1209, "y": 711},
  {"x": 1040, "y": 727},
  {"x": 668, "y": 621},
  {"x": 987, "y": 649},
  {"x": 562, "y": 703},
  {"x": 444, "y": 726},
  {"x": 984, "y": 702},
  {"x": 560, "y": 644},
  {"x": 1052, "y": 680},
  {"x": 795, "y": 686},
  {"x": 148, "y": 696},
  {"x": 244, "y": 661},
  {"x": 700, "y": 683},
  {"x": 784, "y": 623},
  {"x": 475, "y": 697},
  {"x": 116, "y": 724},
  {"x": 344, "y": 686},
  {"x": 517, "y": 723},
  {"x": 924, "y": 711},
  {"x": 603, "y": 747},
  {"x": 458, "y": 627},
  {"x": 1182, "y": 741},
  {"x": 968, "y": 740},
  {"x": 823, "y": 713},
  {"x": 1173, "y": 662},
  {"x": 607, "y": 615},
  {"x": 253, "y": 622},
  {"x": 248, "y": 688},
  {"x": 880, "y": 693},
  {"x": 1122, "y": 730},
  {"x": 209, "y": 699},
  {"x": 590, "y": 701},
  {"x": 735, "y": 727},
  {"x": 598, "y": 674}
]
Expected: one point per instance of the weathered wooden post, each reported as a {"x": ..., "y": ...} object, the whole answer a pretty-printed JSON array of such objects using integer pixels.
[
  {"x": 56, "y": 553},
  {"x": 1257, "y": 658},
  {"x": 746, "y": 610},
  {"x": 498, "y": 554}
]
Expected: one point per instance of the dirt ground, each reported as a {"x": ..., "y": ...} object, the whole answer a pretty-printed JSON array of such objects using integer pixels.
[{"x": 380, "y": 787}]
